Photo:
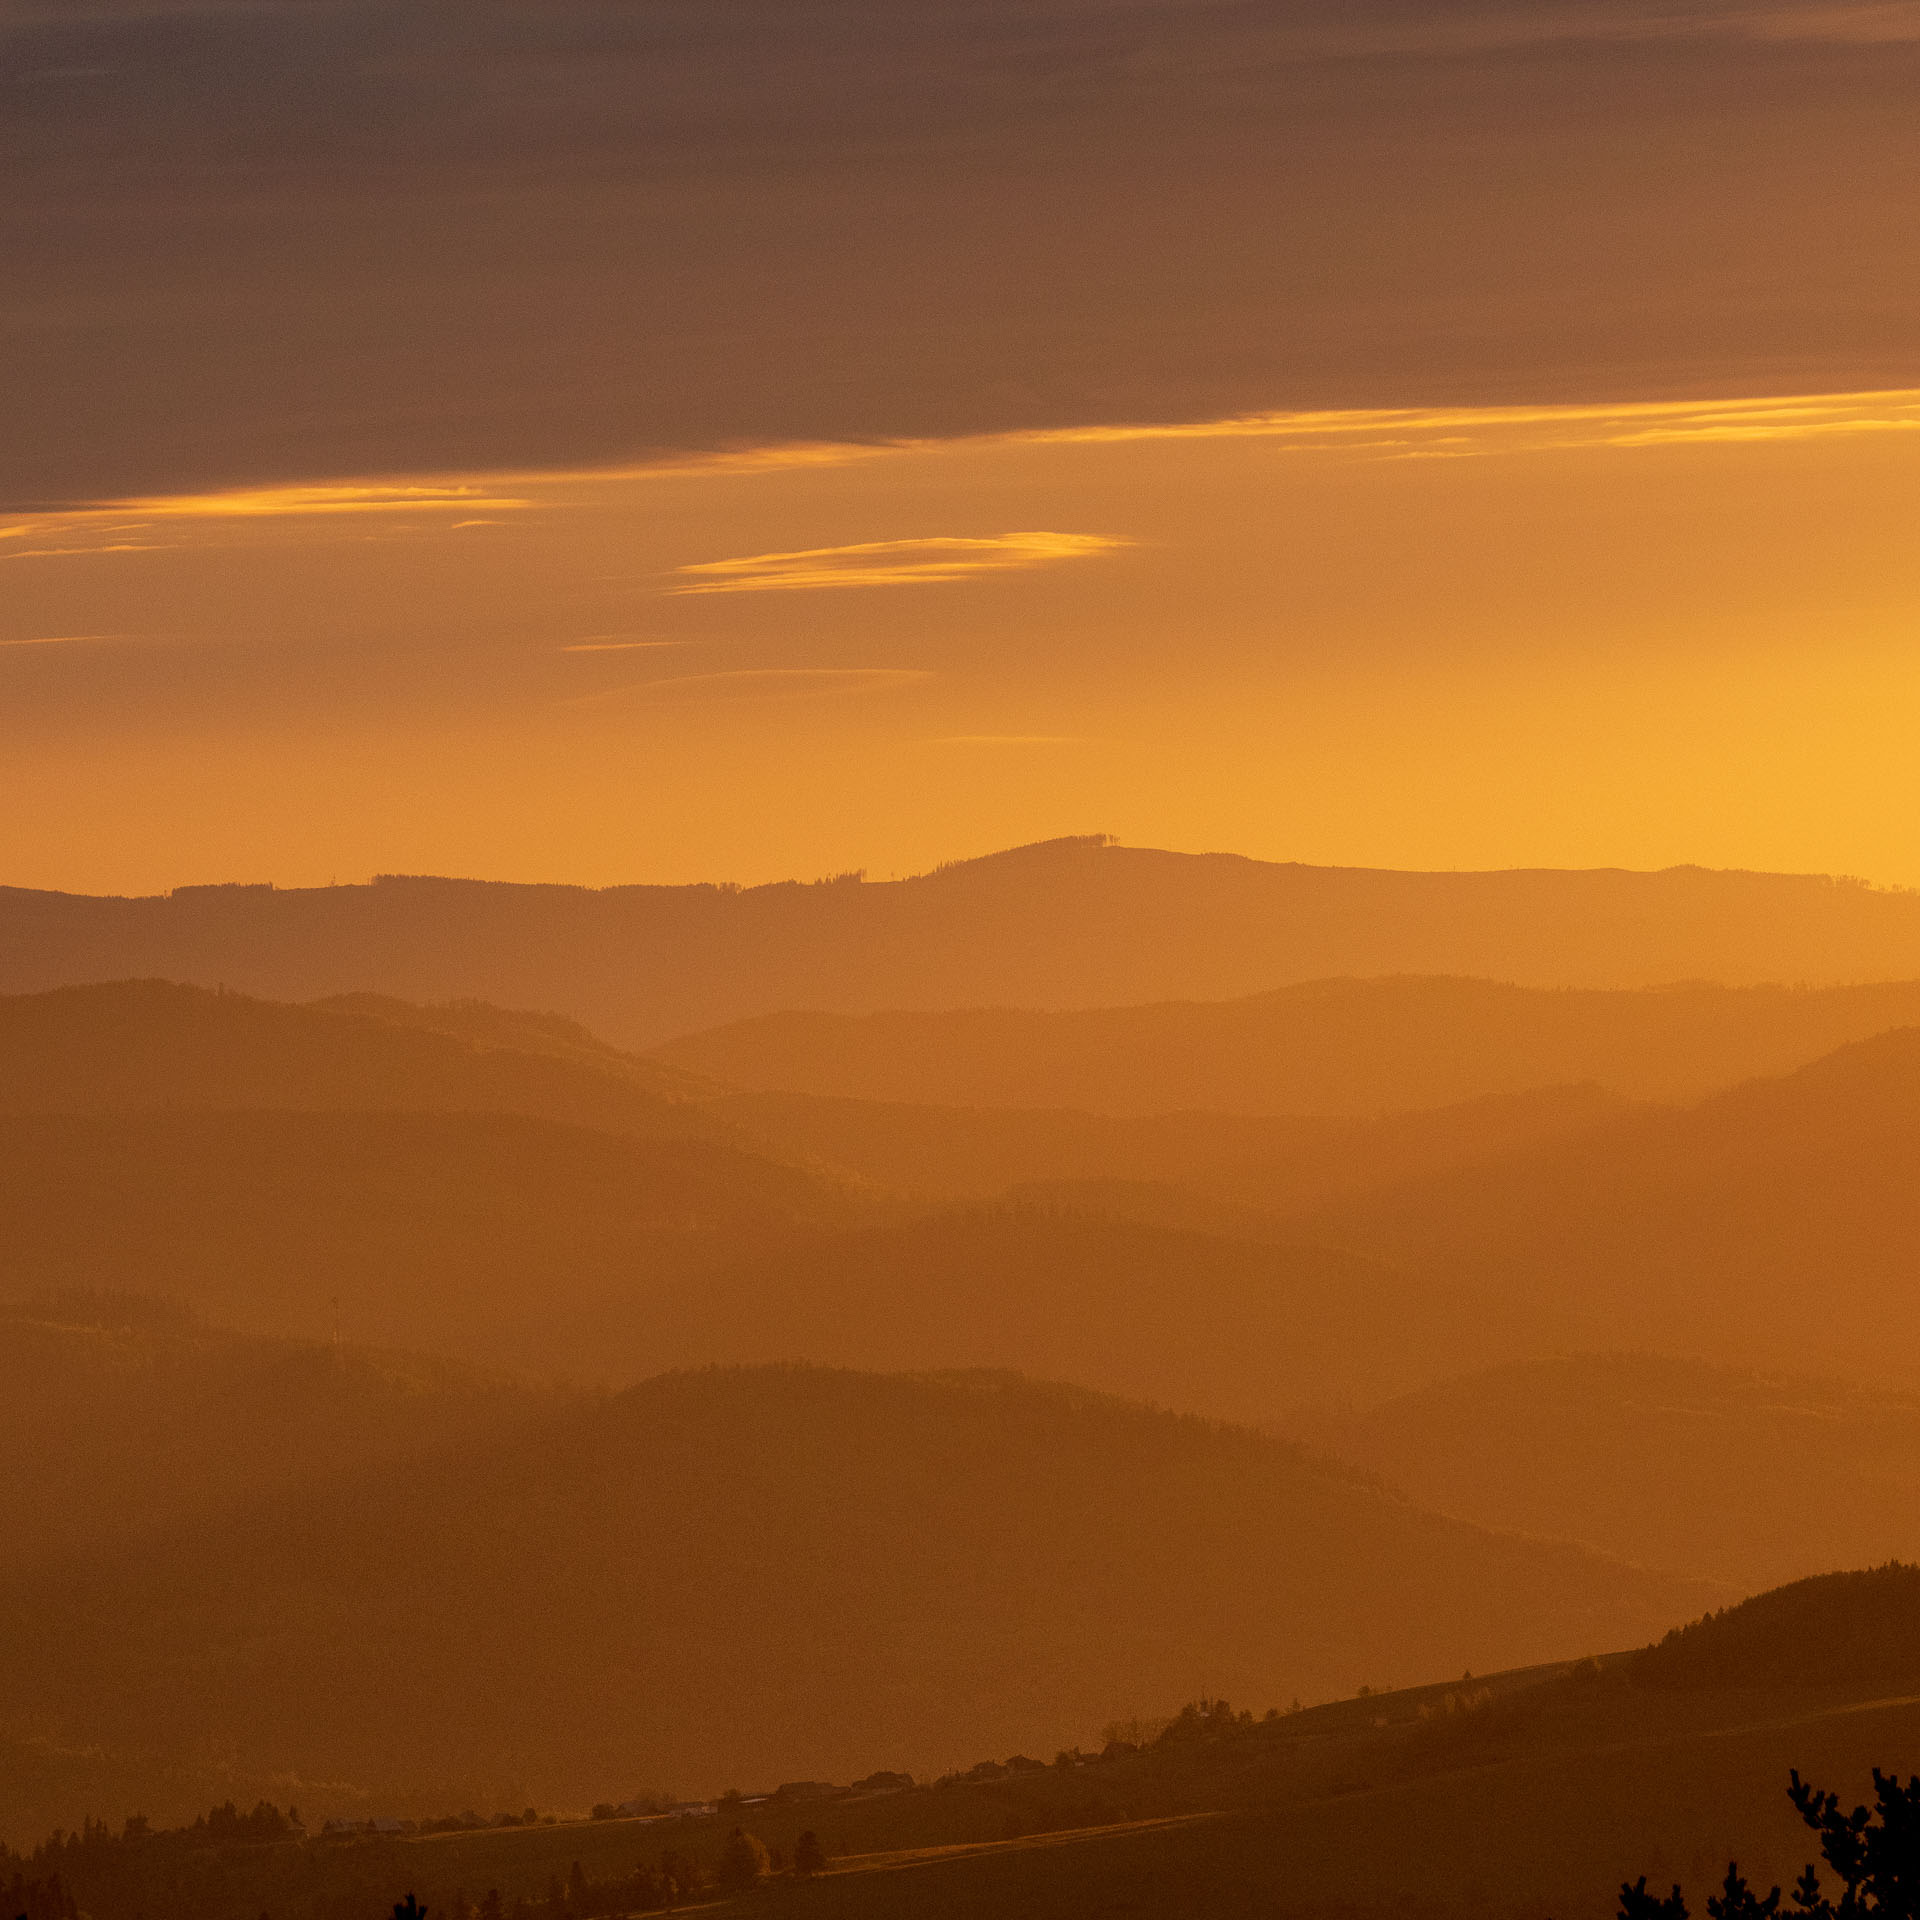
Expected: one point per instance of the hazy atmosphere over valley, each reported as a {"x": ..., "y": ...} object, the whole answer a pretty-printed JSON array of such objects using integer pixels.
[{"x": 960, "y": 960}]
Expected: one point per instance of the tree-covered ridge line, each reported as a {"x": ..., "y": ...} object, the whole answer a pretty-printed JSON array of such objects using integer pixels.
[{"x": 100, "y": 1873}]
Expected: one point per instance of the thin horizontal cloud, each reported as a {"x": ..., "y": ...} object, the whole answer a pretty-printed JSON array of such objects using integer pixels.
[
  {"x": 67, "y": 553},
  {"x": 760, "y": 682},
  {"x": 1406, "y": 433},
  {"x": 1399, "y": 431},
  {"x": 62, "y": 639},
  {"x": 891, "y": 563},
  {"x": 1854, "y": 25},
  {"x": 1010, "y": 740},
  {"x": 616, "y": 643},
  {"x": 1494, "y": 29},
  {"x": 258, "y": 503}
]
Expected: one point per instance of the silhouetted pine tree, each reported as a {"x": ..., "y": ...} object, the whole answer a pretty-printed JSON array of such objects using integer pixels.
[
  {"x": 1636, "y": 1903},
  {"x": 1737, "y": 1901},
  {"x": 1875, "y": 1852}
]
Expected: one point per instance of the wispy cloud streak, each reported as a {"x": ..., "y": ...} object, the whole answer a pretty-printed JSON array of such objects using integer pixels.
[
  {"x": 259, "y": 503},
  {"x": 71, "y": 553},
  {"x": 1397, "y": 430},
  {"x": 62, "y": 639},
  {"x": 617, "y": 643},
  {"x": 890, "y": 563},
  {"x": 777, "y": 682}
]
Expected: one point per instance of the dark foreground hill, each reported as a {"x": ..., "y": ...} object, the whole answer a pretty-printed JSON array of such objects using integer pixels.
[
  {"x": 1528, "y": 1793},
  {"x": 1074, "y": 923},
  {"x": 1351, "y": 1046},
  {"x": 1742, "y": 1477},
  {"x": 771, "y": 1574},
  {"x": 1772, "y": 1225}
]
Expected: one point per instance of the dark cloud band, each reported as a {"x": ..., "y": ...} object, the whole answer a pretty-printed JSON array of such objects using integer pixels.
[{"x": 300, "y": 239}]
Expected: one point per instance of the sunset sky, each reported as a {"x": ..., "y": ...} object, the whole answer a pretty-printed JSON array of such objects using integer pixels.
[{"x": 605, "y": 442}]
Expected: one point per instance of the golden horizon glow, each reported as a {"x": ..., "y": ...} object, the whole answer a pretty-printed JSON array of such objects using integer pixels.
[{"x": 1638, "y": 634}]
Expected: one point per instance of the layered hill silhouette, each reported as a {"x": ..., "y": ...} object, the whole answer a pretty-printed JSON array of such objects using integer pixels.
[
  {"x": 504, "y": 1240},
  {"x": 1236, "y": 1328},
  {"x": 512, "y": 1242},
  {"x": 1245, "y": 1165},
  {"x": 1067, "y": 923},
  {"x": 411, "y": 1176},
  {"x": 129, "y": 1044},
  {"x": 273, "y": 1165},
  {"x": 1742, "y": 1477},
  {"x": 457, "y": 1179},
  {"x": 772, "y": 1573},
  {"x": 1772, "y": 1225},
  {"x": 1324, "y": 1047}
]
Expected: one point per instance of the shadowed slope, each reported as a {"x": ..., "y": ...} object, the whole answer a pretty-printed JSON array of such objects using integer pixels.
[
  {"x": 1742, "y": 1477},
  {"x": 1859, "y": 1631},
  {"x": 1772, "y": 1225},
  {"x": 781, "y": 1573},
  {"x": 516, "y": 1030},
  {"x": 122, "y": 1415}
]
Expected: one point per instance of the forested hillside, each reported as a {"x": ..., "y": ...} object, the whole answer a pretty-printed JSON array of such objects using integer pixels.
[
  {"x": 773, "y": 1573},
  {"x": 1507, "y": 1794},
  {"x": 136, "y": 1417}
]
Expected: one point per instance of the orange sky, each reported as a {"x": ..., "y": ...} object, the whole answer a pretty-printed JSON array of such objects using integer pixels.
[
  {"x": 369, "y": 369},
  {"x": 1633, "y": 636}
]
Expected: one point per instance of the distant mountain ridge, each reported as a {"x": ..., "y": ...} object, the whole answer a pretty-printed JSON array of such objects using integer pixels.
[
  {"x": 1398, "y": 1044},
  {"x": 1067, "y": 923}
]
